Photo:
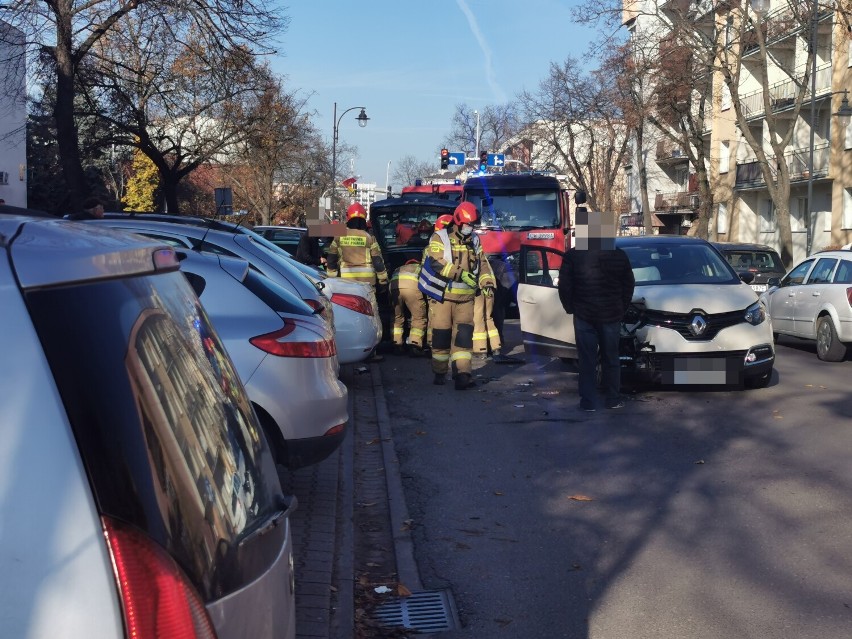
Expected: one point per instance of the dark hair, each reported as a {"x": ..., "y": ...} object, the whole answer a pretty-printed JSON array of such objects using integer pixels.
[{"x": 357, "y": 223}]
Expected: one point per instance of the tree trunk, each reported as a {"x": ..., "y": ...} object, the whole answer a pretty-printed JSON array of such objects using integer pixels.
[
  {"x": 63, "y": 115},
  {"x": 647, "y": 215}
]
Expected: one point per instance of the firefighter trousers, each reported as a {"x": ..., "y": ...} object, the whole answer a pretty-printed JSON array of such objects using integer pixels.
[
  {"x": 451, "y": 324},
  {"x": 413, "y": 300},
  {"x": 485, "y": 334}
]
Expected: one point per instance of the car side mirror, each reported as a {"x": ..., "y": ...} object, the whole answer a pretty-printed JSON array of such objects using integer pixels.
[
  {"x": 773, "y": 281},
  {"x": 746, "y": 276}
]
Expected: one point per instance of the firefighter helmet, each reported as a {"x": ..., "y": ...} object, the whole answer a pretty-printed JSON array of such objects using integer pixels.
[
  {"x": 443, "y": 221},
  {"x": 355, "y": 210},
  {"x": 465, "y": 213}
]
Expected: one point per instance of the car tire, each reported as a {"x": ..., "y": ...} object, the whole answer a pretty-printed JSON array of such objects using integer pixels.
[{"x": 829, "y": 347}]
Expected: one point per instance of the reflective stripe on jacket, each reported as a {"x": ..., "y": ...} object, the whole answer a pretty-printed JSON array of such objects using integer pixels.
[
  {"x": 466, "y": 255},
  {"x": 356, "y": 256}
]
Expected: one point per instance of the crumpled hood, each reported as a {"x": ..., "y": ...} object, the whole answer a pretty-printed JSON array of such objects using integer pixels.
[{"x": 683, "y": 298}]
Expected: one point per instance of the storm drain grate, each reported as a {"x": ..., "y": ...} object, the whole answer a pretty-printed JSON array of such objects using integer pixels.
[{"x": 426, "y": 611}]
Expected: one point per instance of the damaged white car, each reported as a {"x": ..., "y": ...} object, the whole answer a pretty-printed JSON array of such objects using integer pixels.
[{"x": 692, "y": 321}]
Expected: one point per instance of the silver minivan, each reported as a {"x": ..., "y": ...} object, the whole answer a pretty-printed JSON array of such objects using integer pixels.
[{"x": 139, "y": 494}]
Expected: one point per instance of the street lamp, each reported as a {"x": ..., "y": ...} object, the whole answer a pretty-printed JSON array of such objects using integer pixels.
[{"x": 362, "y": 122}]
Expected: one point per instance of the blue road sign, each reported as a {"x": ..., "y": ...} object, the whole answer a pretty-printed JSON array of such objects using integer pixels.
[
  {"x": 457, "y": 159},
  {"x": 496, "y": 159}
]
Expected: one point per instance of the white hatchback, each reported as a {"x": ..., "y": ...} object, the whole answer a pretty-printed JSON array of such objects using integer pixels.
[
  {"x": 692, "y": 320},
  {"x": 814, "y": 301}
]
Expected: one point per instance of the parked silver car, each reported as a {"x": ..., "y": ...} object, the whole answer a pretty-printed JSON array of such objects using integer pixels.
[
  {"x": 814, "y": 301},
  {"x": 284, "y": 355},
  {"x": 140, "y": 497}
]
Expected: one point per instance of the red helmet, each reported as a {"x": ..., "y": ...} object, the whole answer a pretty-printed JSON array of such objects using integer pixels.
[
  {"x": 443, "y": 221},
  {"x": 465, "y": 213},
  {"x": 355, "y": 210}
]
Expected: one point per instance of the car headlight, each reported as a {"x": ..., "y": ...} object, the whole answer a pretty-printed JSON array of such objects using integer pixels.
[{"x": 755, "y": 314}]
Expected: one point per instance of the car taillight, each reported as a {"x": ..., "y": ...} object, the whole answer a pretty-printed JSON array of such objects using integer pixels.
[
  {"x": 156, "y": 596},
  {"x": 315, "y": 304},
  {"x": 849, "y": 296},
  {"x": 275, "y": 343},
  {"x": 354, "y": 302}
]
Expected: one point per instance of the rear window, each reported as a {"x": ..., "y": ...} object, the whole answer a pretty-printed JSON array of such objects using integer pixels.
[
  {"x": 274, "y": 296},
  {"x": 164, "y": 428},
  {"x": 756, "y": 261}
]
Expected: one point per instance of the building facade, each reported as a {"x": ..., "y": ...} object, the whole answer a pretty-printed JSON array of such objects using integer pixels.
[{"x": 13, "y": 117}]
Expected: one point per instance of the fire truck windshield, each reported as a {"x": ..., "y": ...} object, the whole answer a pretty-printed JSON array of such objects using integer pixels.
[{"x": 512, "y": 210}]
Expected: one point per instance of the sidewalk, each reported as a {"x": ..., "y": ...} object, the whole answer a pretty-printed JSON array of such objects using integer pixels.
[{"x": 349, "y": 530}]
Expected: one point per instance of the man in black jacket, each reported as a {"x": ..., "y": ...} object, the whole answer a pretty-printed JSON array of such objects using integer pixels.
[{"x": 595, "y": 286}]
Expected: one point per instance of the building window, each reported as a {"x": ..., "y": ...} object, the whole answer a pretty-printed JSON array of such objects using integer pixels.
[
  {"x": 847, "y": 134},
  {"x": 724, "y": 156},
  {"x": 767, "y": 216},
  {"x": 722, "y": 218},
  {"x": 846, "y": 217},
  {"x": 798, "y": 211},
  {"x": 726, "y": 97}
]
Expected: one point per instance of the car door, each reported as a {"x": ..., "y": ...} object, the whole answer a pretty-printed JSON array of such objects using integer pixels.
[
  {"x": 781, "y": 302},
  {"x": 810, "y": 297},
  {"x": 545, "y": 326}
]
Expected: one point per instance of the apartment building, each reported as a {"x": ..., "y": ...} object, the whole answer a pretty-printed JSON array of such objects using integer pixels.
[
  {"x": 13, "y": 117},
  {"x": 766, "y": 91}
]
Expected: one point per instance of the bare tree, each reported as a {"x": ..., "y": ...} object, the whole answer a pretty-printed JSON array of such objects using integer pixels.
[
  {"x": 408, "y": 169},
  {"x": 575, "y": 124},
  {"x": 64, "y": 33},
  {"x": 497, "y": 126}
]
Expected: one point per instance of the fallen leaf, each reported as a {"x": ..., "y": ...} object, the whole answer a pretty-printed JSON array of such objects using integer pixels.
[
  {"x": 462, "y": 546},
  {"x": 372, "y": 564},
  {"x": 503, "y": 622},
  {"x": 580, "y": 498},
  {"x": 700, "y": 461},
  {"x": 419, "y": 432},
  {"x": 576, "y": 567},
  {"x": 367, "y": 504},
  {"x": 809, "y": 385},
  {"x": 498, "y": 493},
  {"x": 381, "y": 590},
  {"x": 402, "y": 591}
]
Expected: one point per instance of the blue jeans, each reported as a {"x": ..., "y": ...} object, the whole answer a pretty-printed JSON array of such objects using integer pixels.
[{"x": 592, "y": 337}]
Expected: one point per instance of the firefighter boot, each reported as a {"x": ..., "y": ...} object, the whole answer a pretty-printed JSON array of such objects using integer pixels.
[
  {"x": 440, "y": 379},
  {"x": 464, "y": 381}
]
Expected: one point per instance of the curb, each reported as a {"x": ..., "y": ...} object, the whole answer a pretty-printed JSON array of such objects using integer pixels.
[{"x": 403, "y": 543}]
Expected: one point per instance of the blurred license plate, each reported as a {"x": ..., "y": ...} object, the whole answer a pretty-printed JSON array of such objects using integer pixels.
[
  {"x": 698, "y": 370},
  {"x": 759, "y": 288}
]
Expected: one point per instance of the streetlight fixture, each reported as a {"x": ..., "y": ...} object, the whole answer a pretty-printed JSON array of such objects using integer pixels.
[{"x": 362, "y": 122}]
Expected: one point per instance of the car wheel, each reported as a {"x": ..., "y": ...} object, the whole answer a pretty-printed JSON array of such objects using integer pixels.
[{"x": 829, "y": 347}]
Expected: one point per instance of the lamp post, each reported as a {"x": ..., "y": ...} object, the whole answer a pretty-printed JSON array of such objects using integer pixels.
[
  {"x": 476, "y": 142},
  {"x": 362, "y": 122}
]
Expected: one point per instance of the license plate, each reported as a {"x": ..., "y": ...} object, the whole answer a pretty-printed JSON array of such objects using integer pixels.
[
  {"x": 758, "y": 288},
  {"x": 698, "y": 371}
]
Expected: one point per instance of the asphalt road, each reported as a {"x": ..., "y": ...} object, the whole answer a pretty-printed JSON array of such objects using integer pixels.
[{"x": 692, "y": 515}]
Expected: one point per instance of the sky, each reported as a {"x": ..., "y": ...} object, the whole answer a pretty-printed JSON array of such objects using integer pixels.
[{"x": 410, "y": 63}]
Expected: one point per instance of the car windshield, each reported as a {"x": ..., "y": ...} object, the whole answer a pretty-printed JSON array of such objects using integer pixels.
[
  {"x": 755, "y": 261},
  {"x": 516, "y": 210},
  {"x": 672, "y": 263}
]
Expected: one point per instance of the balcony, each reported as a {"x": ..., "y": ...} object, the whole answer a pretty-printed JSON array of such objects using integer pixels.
[
  {"x": 782, "y": 95},
  {"x": 778, "y": 27},
  {"x": 669, "y": 153},
  {"x": 797, "y": 161},
  {"x": 676, "y": 201}
]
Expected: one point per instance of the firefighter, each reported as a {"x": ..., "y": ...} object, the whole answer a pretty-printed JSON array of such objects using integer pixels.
[
  {"x": 485, "y": 334},
  {"x": 441, "y": 225},
  {"x": 356, "y": 255},
  {"x": 459, "y": 260},
  {"x": 404, "y": 294}
]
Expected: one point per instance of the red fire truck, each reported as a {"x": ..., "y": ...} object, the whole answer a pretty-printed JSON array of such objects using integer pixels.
[
  {"x": 446, "y": 191},
  {"x": 514, "y": 209}
]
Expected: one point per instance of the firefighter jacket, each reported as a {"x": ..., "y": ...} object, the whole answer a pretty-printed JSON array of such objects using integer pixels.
[
  {"x": 356, "y": 256},
  {"x": 465, "y": 254},
  {"x": 405, "y": 278}
]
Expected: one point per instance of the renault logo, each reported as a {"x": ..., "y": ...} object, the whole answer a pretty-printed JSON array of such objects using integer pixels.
[{"x": 697, "y": 326}]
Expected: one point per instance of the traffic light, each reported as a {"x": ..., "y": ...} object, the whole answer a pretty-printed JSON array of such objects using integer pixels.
[
  {"x": 445, "y": 158},
  {"x": 483, "y": 161}
]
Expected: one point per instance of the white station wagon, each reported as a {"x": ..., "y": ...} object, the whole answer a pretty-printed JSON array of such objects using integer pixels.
[{"x": 692, "y": 321}]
